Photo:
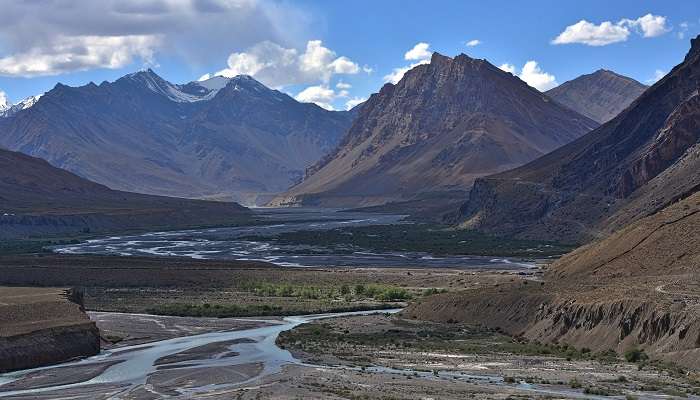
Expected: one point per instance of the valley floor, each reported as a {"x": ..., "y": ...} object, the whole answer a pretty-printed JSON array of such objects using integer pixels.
[
  {"x": 380, "y": 356},
  {"x": 187, "y": 287}
]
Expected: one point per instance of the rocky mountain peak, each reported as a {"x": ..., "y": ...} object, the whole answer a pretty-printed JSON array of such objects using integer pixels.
[
  {"x": 694, "y": 48},
  {"x": 443, "y": 124}
]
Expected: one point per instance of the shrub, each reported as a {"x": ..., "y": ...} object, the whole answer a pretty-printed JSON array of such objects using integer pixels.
[{"x": 635, "y": 355}]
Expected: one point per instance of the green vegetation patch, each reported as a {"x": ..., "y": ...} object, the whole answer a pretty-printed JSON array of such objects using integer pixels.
[
  {"x": 233, "y": 310},
  {"x": 426, "y": 238}
]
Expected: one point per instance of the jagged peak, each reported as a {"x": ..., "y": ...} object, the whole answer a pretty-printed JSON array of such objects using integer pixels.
[
  {"x": 694, "y": 48},
  {"x": 437, "y": 58}
]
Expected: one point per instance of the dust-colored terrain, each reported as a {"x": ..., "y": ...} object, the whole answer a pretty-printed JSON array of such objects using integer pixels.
[
  {"x": 418, "y": 359},
  {"x": 182, "y": 286},
  {"x": 42, "y": 326},
  {"x": 636, "y": 288}
]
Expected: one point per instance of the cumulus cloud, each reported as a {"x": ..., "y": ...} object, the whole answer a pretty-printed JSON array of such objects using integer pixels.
[
  {"x": 649, "y": 25},
  {"x": 352, "y": 103},
  {"x": 322, "y": 96},
  {"x": 80, "y": 53},
  {"x": 533, "y": 75},
  {"x": 343, "y": 85},
  {"x": 53, "y": 37},
  {"x": 474, "y": 42},
  {"x": 277, "y": 66},
  {"x": 508, "y": 68},
  {"x": 418, "y": 52},
  {"x": 593, "y": 35},
  {"x": 607, "y": 32}
]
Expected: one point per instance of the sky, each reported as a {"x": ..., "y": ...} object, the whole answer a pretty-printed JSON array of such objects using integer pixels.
[{"x": 333, "y": 53}]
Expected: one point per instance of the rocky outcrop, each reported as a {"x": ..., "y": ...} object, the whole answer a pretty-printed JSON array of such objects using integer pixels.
[
  {"x": 48, "y": 346},
  {"x": 443, "y": 125},
  {"x": 643, "y": 156},
  {"x": 599, "y": 96},
  {"x": 41, "y": 326},
  {"x": 636, "y": 288}
]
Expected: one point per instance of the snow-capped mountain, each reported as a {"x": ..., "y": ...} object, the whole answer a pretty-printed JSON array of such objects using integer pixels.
[
  {"x": 222, "y": 138},
  {"x": 186, "y": 93},
  {"x": 7, "y": 110}
]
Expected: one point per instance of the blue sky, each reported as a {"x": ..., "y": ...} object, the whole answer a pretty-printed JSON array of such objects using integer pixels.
[{"x": 332, "y": 52}]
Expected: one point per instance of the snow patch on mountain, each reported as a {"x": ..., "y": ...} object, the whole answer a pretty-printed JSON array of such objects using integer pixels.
[{"x": 8, "y": 110}]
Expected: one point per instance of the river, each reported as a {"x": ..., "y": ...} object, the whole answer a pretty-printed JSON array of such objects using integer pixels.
[
  {"x": 220, "y": 364},
  {"x": 234, "y": 243}
]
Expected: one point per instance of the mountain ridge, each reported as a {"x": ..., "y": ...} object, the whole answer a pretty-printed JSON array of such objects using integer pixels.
[
  {"x": 635, "y": 164},
  {"x": 143, "y": 134},
  {"x": 440, "y": 127},
  {"x": 600, "y": 95}
]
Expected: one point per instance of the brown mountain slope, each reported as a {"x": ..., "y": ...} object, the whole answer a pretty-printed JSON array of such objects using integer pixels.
[
  {"x": 636, "y": 288},
  {"x": 144, "y": 134},
  {"x": 599, "y": 96},
  {"x": 634, "y": 165},
  {"x": 440, "y": 127},
  {"x": 36, "y": 198}
]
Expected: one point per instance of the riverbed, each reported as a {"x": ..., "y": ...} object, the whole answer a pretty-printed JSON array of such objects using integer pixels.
[
  {"x": 234, "y": 243},
  {"x": 240, "y": 358}
]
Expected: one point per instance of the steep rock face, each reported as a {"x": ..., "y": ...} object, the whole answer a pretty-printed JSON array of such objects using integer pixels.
[
  {"x": 220, "y": 138},
  {"x": 440, "y": 127},
  {"x": 636, "y": 288},
  {"x": 644, "y": 159},
  {"x": 37, "y": 198},
  {"x": 41, "y": 327},
  {"x": 599, "y": 96}
]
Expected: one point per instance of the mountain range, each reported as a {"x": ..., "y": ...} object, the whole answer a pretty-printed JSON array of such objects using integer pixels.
[
  {"x": 443, "y": 125},
  {"x": 633, "y": 166},
  {"x": 228, "y": 139},
  {"x": 599, "y": 96}
]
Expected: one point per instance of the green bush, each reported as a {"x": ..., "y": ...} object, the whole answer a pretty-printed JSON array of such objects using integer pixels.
[{"x": 635, "y": 355}]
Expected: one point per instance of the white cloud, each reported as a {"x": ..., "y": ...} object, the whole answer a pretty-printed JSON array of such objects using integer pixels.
[
  {"x": 71, "y": 53},
  {"x": 277, "y": 66},
  {"x": 607, "y": 32},
  {"x": 650, "y": 25},
  {"x": 658, "y": 74},
  {"x": 53, "y": 37},
  {"x": 343, "y": 85},
  {"x": 3, "y": 100},
  {"x": 418, "y": 52},
  {"x": 397, "y": 73},
  {"x": 508, "y": 68},
  {"x": 533, "y": 75},
  {"x": 322, "y": 96},
  {"x": 591, "y": 34},
  {"x": 474, "y": 42},
  {"x": 343, "y": 65},
  {"x": 350, "y": 104},
  {"x": 367, "y": 69}
]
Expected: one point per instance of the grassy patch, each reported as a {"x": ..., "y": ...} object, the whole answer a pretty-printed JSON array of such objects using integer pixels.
[
  {"x": 13, "y": 247},
  {"x": 427, "y": 238},
  {"x": 358, "y": 292},
  {"x": 233, "y": 310}
]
